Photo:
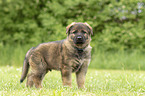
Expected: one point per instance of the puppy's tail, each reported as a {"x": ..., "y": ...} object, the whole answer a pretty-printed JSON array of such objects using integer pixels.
[{"x": 26, "y": 65}]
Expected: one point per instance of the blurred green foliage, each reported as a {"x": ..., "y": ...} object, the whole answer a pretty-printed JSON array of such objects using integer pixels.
[{"x": 117, "y": 24}]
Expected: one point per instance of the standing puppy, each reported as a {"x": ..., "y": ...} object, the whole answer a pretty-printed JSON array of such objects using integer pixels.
[{"x": 69, "y": 55}]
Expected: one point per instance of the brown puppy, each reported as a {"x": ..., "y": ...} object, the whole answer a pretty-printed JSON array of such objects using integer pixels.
[{"x": 70, "y": 55}]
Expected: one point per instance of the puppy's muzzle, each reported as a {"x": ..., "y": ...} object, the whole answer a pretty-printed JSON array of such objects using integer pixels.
[{"x": 79, "y": 39}]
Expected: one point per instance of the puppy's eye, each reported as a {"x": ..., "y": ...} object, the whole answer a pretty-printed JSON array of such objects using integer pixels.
[
  {"x": 84, "y": 31},
  {"x": 75, "y": 32}
]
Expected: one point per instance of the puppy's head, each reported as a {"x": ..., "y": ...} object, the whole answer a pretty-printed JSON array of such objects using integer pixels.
[{"x": 79, "y": 34}]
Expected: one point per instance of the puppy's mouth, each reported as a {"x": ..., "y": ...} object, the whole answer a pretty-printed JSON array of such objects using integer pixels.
[{"x": 79, "y": 40}]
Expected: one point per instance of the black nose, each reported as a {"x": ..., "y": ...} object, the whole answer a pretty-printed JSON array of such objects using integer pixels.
[{"x": 79, "y": 37}]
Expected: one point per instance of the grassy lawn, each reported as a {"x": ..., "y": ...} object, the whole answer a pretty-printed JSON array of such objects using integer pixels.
[{"x": 98, "y": 83}]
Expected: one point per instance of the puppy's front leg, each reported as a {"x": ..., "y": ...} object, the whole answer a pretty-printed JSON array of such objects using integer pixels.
[
  {"x": 66, "y": 76},
  {"x": 81, "y": 74}
]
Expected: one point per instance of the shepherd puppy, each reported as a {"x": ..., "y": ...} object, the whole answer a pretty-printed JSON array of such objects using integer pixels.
[{"x": 72, "y": 54}]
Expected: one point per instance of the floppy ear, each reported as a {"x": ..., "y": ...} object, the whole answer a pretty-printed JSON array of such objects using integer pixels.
[
  {"x": 68, "y": 27},
  {"x": 89, "y": 27}
]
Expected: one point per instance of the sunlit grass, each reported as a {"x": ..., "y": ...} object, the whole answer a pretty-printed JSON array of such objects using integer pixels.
[
  {"x": 133, "y": 60},
  {"x": 98, "y": 82}
]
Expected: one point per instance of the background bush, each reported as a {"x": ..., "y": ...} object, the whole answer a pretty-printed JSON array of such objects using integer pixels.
[{"x": 117, "y": 24}]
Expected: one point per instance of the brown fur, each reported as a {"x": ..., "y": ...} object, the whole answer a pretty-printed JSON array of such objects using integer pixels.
[{"x": 64, "y": 55}]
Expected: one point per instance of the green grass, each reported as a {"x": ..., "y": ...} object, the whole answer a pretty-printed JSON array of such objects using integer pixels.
[
  {"x": 98, "y": 83},
  {"x": 12, "y": 55},
  {"x": 133, "y": 60}
]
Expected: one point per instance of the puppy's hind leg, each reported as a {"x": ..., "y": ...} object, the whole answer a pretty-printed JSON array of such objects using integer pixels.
[
  {"x": 29, "y": 82},
  {"x": 35, "y": 79},
  {"x": 38, "y": 78}
]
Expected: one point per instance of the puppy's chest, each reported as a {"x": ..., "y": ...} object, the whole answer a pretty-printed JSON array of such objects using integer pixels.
[
  {"x": 76, "y": 64},
  {"x": 79, "y": 55},
  {"x": 77, "y": 61}
]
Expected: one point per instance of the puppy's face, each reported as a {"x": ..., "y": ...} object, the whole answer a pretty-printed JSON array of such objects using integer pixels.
[{"x": 79, "y": 34}]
